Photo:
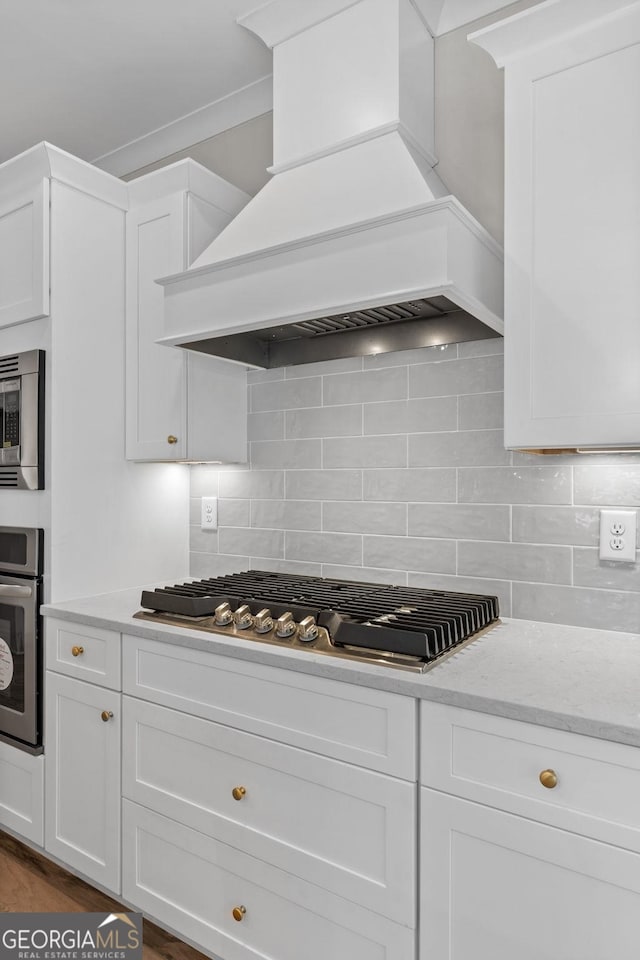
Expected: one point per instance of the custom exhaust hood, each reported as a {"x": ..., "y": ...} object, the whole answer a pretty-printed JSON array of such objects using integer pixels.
[{"x": 354, "y": 247}]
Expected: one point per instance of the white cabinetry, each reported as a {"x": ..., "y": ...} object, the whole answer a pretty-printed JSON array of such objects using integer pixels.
[
  {"x": 244, "y": 826},
  {"x": 22, "y": 793},
  {"x": 499, "y": 878},
  {"x": 180, "y": 405},
  {"x": 82, "y": 763},
  {"x": 572, "y": 222},
  {"x": 24, "y": 252}
]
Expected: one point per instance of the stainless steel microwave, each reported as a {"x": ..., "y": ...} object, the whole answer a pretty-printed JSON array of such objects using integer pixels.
[{"x": 22, "y": 420}]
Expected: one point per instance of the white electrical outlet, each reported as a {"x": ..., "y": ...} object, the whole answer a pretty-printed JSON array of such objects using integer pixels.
[
  {"x": 209, "y": 513},
  {"x": 618, "y": 535}
]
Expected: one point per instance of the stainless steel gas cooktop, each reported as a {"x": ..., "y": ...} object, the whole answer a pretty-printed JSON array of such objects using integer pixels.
[{"x": 405, "y": 627}]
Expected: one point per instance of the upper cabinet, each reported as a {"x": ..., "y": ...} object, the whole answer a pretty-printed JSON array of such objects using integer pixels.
[
  {"x": 180, "y": 405},
  {"x": 572, "y": 222},
  {"x": 24, "y": 252}
]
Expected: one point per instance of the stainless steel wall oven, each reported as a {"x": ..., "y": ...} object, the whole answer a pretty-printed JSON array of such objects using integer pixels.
[
  {"x": 22, "y": 420},
  {"x": 21, "y": 668}
]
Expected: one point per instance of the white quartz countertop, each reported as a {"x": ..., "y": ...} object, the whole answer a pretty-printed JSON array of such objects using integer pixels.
[{"x": 571, "y": 678}]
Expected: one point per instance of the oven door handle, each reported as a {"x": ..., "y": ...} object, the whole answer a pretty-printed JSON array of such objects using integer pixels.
[{"x": 16, "y": 592}]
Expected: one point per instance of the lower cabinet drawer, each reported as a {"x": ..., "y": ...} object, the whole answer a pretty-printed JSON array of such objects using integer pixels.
[
  {"x": 87, "y": 653},
  {"x": 578, "y": 783},
  {"x": 370, "y": 728},
  {"x": 348, "y": 830},
  {"x": 195, "y": 884}
]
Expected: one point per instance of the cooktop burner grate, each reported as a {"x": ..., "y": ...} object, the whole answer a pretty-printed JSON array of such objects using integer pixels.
[{"x": 406, "y": 620}]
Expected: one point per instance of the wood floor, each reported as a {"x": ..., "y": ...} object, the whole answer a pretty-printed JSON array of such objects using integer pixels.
[{"x": 31, "y": 883}]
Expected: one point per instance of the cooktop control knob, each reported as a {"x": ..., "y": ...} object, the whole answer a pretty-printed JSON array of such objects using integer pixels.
[
  {"x": 285, "y": 626},
  {"x": 223, "y": 615},
  {"x": 263, "y": 621},
  {"x": 307, "y": 630},
  {"x": 242, "y": 617}
]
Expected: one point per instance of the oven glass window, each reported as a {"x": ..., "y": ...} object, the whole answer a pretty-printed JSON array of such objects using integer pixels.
[
  {"x": 12, "y": 657},
  {"x": 13, "y": 548}
]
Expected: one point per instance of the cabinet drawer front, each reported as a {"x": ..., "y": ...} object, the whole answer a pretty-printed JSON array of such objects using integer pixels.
[
  {"x": 88, "y": 653},
  {"x": 499, "y": 762},
  {"x": 370, "y": 728},
  {"x": 349, "y": 830},
  {"x": 22, "y": 793},
  {"x": 192, "y": 883}
]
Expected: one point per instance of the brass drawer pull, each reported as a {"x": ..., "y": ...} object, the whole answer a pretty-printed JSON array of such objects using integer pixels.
[
  {"x": 77, "y": 651},
  {"x": 238, "y": 913},
  {"x": 106, "y": 715},
  {"x": 238, "y": 793},
  {"x": 548, "y": 779},
  {"x": 172, "y": 439}
]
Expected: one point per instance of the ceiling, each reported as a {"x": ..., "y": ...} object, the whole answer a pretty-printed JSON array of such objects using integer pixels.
[{"x": 126, "y": 82}]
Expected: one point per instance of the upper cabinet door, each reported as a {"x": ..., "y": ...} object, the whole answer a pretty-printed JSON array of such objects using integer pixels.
[
  {"x": 24, "y": 256},
  {"x": 572, "y": 225},
  {"x": 156, "y": 374}
]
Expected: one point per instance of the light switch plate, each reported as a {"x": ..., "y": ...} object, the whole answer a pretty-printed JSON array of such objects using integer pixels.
[
  {"x": 618, "y": 535},
  {"x": 209, "y": 513}
]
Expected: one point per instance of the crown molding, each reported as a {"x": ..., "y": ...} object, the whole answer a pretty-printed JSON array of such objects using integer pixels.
[{"x": 245, "y": 104}]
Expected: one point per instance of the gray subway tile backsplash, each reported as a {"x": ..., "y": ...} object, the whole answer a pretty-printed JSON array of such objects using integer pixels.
[
  {"x": 287, "y": 514},
  {"x": 365, "y": 387},
  {"x": 339, "y": 421},
  {"x": 460, "y": 521},
  {"x": 467, "y": 448},
  {"x": 514, "y": 561},
  {"x": 285, "y": 394},
  {"x": 515, "y": 485},
  {"x": 578, "y": 526},
  {"x": 411, "y": 416},
  {"x": 409, "y": 485},
  {"x": 391, "y": 469},
  {"x": 267, "y": 425},
  {"x": 344, "y": 548},
  {"x": 582, "y": 607},
  {"x": 384, "y": 518},
  {"x": 481, "y": 411},
  {"x": 359, "y": 452},
  {"x": 456, "y": 377},
  {"x": 286, "y": 454}
]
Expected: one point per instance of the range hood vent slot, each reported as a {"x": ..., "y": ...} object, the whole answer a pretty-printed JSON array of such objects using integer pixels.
[{"x": 395, "y": 326}]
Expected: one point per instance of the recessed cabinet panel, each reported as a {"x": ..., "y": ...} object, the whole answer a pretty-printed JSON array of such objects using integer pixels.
[
  {"x": 499, "y": 887},
  {"x": 82, "y": 766},
  {"x": 586, "y": 240},
  {"x": 156, "y": 375},
  {"x": 24, "y": 257}
]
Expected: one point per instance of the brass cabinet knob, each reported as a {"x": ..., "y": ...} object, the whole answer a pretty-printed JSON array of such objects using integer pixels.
[
  {"x": 106, "y": 715},
  {"x": 238, "y": 913},
  {"x": 172, "y": 439},
  {"x": 77, "y": 651},
  {"x": 548, "y": 779},
  {"x": 238, "y": 793}
]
